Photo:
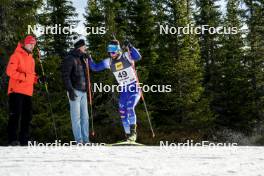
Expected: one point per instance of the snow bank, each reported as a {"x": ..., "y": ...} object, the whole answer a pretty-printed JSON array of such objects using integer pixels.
[{"x": 196, "y": 161}]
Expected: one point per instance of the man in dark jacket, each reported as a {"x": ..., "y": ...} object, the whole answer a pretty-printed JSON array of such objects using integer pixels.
[{"x": 75, "y": 80}]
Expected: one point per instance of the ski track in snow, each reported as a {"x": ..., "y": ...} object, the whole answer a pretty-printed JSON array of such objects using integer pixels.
[{"x": 130, "y": 161}]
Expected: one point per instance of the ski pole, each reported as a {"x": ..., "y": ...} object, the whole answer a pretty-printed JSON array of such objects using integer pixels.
[
  {"x": 48, "y": 95},
  {"x": 141, "y": 94},
  {"x": 90, "y": 93}
]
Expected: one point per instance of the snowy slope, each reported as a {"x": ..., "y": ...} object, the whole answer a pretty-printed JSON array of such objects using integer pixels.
[{"x": 86, "y": 161}]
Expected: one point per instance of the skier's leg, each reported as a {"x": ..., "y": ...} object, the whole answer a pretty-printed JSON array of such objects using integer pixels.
[
  {"x": 75, "y": 117},
  {"x": 131, "y": 104},
  {"x": 123, "y": 111},
  {"x": 15, "y": 106},
  {"x": 26, "y": 118},
  {"x": 84, "y": 118}
]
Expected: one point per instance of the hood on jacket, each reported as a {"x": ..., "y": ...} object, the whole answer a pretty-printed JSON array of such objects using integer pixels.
[{"x": 20, "y": 49}]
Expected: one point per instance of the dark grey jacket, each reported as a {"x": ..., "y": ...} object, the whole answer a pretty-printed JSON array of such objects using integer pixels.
[{"x": 74, "y": 71}]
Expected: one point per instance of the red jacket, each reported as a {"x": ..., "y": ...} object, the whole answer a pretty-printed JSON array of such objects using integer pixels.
[{"x": 21, "y": 70}]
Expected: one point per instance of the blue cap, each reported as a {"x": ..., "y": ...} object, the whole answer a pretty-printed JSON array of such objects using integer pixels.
[{"x": 113, "y": 48}]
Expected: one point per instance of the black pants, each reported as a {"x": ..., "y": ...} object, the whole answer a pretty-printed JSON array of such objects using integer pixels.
[{"x": 20, "y": 116}]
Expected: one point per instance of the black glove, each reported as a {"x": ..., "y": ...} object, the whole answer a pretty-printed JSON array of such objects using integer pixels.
[
  {"x": 127, "y": 44},
  {"x": 72, "y": 95}
]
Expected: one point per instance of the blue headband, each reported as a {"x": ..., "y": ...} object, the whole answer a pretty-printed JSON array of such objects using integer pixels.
[{"x": 113, "y": 48}]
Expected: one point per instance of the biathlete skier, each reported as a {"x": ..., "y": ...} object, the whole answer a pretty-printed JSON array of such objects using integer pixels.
[{"x": 121, "y": 64}]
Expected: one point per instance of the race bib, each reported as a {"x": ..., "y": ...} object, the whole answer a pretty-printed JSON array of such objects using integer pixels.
[{"x": 125, "y": 76}]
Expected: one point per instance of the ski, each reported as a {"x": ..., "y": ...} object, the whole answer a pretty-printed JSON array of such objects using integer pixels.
[{"x": 126, "y": 143}]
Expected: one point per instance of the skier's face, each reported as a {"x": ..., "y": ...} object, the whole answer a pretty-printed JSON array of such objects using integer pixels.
[{"x": 113, "y": 55}]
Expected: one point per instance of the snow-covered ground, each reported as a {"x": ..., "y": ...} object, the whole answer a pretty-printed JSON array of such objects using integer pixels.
[{"x": 87, "y": 161}]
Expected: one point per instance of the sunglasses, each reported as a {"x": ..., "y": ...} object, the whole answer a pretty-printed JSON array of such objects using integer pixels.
[{"x": 113, "y": 53}]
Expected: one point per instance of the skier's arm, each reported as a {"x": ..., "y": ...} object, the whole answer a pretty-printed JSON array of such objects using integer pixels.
[
  {"x": 134, "y": 53},
  {"x": 104, "y": 64}
]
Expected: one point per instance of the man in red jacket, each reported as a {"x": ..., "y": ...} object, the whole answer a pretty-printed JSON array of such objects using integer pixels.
[{"x": 21, "y": 70}]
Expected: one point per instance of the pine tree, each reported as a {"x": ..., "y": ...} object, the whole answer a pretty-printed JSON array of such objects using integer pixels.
[
  {"x": 141, "y": 27},
  {"x": 181, "y": 68},
  {"x": 232, "y": 97},
  {"x": 62, "y": 14},
  {"x": 255, "y": 54},
  {"x": 95, "y": 17},
  {"x": 208, "y": 14}
]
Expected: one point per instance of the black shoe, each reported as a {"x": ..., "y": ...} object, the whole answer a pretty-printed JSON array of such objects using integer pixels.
[
  {"x": 23, "y": 143},
  {"x": 14, "y": 143}
]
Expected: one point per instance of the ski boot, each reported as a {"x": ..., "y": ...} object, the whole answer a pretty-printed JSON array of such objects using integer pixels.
[
  {"x": 132, "y": 137},
  {"x": 14, "y": 143}
]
